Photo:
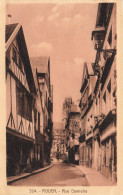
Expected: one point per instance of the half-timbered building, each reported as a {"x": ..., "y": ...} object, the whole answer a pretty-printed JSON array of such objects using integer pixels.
[
  {"x": 87, "y": 114},
  {"x": 38, "y": 150},
  {"x": 42, "y": 65},
  {"x": 105, "y": 42},
  {"x": 98, "y": 140},
  {"x": 20, "y": 92}
]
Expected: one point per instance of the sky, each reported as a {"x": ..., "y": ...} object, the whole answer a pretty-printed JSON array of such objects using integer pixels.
[{"x": 63, "y": 32}]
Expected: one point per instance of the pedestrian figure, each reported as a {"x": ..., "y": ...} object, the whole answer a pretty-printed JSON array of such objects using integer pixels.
[{"x": 29, "y": 168}]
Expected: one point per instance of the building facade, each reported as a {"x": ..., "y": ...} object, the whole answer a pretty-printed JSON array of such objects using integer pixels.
[
  {"x": 20, "y": 98},
  {"x": 72, "y": 129},
  {"x": 29, "y": 103},
  {"x": 98, "y": 140},
  {"x": 38, "y": 148},
  {"x": 42, "y": 68},
  {"x": 106, "y": 62},
  {"x": 87, "y": 116}
]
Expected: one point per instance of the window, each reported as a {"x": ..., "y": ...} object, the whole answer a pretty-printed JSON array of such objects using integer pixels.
[
  {"x": 115, "y": 37},
  {"x": 110, "y": 37},
  {"x": 27, "y": 107},
  {"x": 46, "y": 98},
  {"x": 99, "y": 95},
  {"x": 14, "y": 56},
  {"x": 57, "y": 147},
  {"x": 109, "y": 86},
  {"x": 35, "y": 119},
  {"x": 20, "y": 63},
  {"x": 24, "y": 103},
  {"x": 104, "y": 97},
  {"x": 38, "y": 121},
  {"x": 20, "y": 100}
]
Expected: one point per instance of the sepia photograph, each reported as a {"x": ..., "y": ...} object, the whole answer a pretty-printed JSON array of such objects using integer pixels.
[{"x": 61, "y": 94}]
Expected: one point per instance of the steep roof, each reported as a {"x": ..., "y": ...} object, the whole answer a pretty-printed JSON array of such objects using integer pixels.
[
  {"x": 40, "y": 63},
  {"x": 87, "y": 71},
  {"x": 34, "y": 75},
  {"x": 9, "y": 30},
  {"x": 16, "y": 31}
]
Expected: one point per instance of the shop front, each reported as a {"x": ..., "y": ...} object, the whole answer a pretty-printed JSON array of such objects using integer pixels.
[
  {"x": 108, "y": 140},
  {"x": 19, "y": 153}
]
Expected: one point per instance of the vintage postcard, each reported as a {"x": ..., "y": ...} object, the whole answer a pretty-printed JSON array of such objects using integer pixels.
[{"x": 60, "y": 111}]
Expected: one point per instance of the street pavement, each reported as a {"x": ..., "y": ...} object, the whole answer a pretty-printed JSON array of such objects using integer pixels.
[
  {"x": 95, "y": 178},
  {"x": 59, "y": 174}
]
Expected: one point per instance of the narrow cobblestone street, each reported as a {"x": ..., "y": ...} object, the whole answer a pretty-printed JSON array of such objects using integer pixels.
[{"x": 58, "y": 175}]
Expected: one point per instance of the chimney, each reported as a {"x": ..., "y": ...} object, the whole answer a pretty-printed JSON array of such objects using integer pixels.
[{"x": 9, "y": 18}]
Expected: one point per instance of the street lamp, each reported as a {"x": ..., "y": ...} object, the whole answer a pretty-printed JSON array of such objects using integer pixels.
[{"x": 98, "y": 36}]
